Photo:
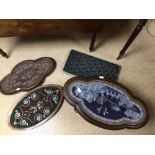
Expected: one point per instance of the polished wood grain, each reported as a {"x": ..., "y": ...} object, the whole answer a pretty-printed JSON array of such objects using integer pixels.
[
  {"x": 31, "y": 27},
  {"x": 44, "y": 27}
]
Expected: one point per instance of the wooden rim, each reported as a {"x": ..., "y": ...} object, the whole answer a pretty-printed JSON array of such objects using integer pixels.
[
  {"x": 43, "y": 78},
  {"x": 95, "y": 122},
  {"x": 49, "y": 117}
]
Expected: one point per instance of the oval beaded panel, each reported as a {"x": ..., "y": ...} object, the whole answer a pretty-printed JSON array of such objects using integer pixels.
[
  {"x": 105, "y": 104},
  {"x": 37, "y": 107},
  {"x": 27, "y": 75}
]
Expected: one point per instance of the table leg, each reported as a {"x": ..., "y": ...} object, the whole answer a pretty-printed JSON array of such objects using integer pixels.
[
  {"x": 134, "y": 34},
  {"x": 3, "y": 53},
  {"x": 91, "y": 47}
]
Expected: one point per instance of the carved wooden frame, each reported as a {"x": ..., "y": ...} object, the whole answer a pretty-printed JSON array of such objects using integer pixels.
[
  {"x": 33, "y": 86},
  {"x": 93, "y": 121}
]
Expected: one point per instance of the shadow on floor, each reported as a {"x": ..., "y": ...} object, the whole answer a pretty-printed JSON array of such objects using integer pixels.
[
  {"x": 37, "y": 40},
  {"x": 115, "y": 28}
]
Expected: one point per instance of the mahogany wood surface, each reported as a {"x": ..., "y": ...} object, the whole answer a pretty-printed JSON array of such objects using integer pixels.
[
  {"x": 43, "y": 27},
  {"x": 31, "y": 27}
]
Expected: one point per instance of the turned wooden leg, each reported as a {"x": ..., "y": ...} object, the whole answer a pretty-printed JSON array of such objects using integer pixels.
[
  {"x": 3, "y": 53},
  {"x": 134, "y": 34},
  {"x": 91, "y": 47}
]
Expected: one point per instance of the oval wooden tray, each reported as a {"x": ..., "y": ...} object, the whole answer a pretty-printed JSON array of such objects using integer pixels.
[{"x": 36, "y": 107}]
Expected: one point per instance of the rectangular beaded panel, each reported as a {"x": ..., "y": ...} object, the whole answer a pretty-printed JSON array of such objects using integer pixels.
[{"x": 83, "y": 65}]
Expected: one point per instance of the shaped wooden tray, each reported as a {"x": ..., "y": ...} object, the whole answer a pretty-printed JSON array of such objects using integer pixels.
[
  {"x": 36, "y": 107},
  {"x": 27, "y": 75},
  {"x": 105, "y": 103}
]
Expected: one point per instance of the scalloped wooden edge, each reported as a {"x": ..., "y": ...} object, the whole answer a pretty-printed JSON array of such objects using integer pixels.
[
  {"x": 93, "y": 121},
  {"x": 30, "y": 88}
]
